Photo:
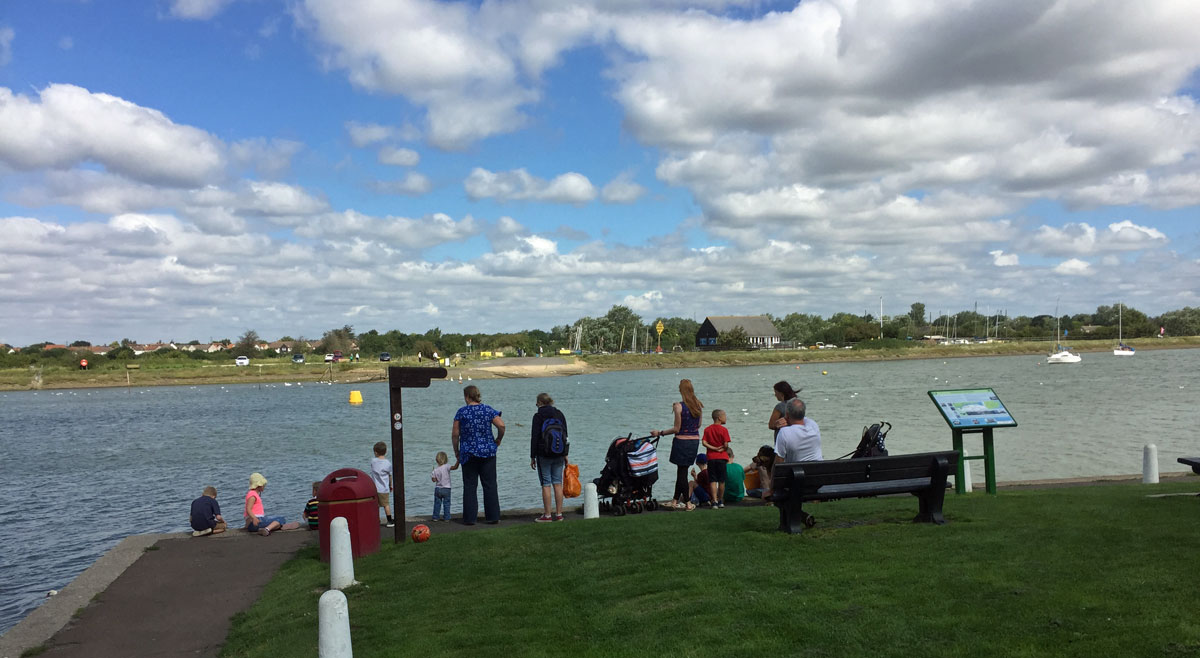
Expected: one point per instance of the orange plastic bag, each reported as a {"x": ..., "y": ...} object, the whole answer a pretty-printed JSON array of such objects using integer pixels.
[{"x": 571, "y": 486}]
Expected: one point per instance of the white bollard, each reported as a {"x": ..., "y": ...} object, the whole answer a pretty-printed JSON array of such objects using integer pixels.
[
  {"x": 333, "y": 620},
  {"x": 966, "y": 472},
  {"x": 341, "y": 557},
  {"x": 591, "y": 502},
  {"x": 1150, "y": 464}
]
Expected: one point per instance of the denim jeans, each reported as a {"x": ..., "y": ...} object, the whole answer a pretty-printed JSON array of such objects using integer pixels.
[
  {"x": 441, "y": 500},
  {"x": 480, "y": 471},
  {"x": 550, "y": 470}
]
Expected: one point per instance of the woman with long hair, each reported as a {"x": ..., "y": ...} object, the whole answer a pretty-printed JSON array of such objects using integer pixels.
[
  {"x": 686, "y": 443},
  {"x": 783, "y": 393}
]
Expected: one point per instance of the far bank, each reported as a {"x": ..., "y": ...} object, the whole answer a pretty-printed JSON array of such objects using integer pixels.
[{"x": 269, "y": 371}]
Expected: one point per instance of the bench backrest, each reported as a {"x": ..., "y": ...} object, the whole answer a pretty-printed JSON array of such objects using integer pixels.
[{"x": 870, "y": 469}]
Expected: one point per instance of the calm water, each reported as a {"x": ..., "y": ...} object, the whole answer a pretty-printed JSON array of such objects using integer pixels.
[{"x": 83, "y": 469}]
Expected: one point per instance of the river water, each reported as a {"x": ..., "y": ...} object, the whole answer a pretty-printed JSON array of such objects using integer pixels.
[{"x": 83, "y": 469}]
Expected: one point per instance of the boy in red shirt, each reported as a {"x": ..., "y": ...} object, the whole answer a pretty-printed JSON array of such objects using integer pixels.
[{"x": 716, "y": 446}]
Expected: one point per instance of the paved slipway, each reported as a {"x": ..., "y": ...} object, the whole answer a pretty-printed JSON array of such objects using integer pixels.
[{"x": 174, "y": 595}]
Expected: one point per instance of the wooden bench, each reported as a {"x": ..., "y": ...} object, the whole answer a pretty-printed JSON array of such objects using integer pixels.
[
  {"x": 923, "y": 475},
  {"x": 1194, "y": 462}
]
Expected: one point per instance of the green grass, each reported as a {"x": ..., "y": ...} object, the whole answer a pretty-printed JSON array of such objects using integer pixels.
[{"x": 1088, "y": 571}]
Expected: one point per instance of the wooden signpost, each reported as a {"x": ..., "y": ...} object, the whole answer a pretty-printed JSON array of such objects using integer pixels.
[{"x": 401, "y": 378}]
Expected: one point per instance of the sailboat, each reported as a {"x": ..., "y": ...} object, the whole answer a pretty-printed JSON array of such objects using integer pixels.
[
  {"x": 1062, "y": 354},
  {"x": 1122, "y": 349}
]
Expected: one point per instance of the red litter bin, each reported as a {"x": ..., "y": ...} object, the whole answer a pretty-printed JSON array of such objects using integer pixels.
[{"x": 349, "y": 492}]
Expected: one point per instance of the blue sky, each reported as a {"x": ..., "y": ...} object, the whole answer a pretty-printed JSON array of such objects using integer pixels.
[{"x": 188, "y": 169}]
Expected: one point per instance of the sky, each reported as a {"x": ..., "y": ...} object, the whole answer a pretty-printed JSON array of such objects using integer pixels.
[{"x": 193, "y": 169}]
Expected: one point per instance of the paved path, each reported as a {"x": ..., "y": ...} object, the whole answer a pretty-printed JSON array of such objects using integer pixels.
[{"x": 178, "y": 597}]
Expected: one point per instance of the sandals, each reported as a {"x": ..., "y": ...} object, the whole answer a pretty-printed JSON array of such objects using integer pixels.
[{"x": 688, "y": 507}]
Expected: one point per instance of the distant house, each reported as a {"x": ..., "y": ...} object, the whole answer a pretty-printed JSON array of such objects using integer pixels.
[
  {"x": 760, "y": 331},
  {"x": 280, "y": 346},
  {"x": 94, "y": 349}
]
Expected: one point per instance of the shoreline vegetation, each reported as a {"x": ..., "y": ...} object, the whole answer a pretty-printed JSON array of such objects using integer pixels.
[{"x": 277, "y": 370}]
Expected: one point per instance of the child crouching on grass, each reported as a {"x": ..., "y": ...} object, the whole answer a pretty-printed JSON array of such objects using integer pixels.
[
  {"x": 311, "y": 508},
  {"x": 698, "y": 486}
]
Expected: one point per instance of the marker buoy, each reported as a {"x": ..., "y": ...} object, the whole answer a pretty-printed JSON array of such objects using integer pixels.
[{"x": 356, "y": 397}]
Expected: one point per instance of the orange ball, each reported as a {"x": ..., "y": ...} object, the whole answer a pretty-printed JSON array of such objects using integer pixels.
[{"x": 420, "y": 533}]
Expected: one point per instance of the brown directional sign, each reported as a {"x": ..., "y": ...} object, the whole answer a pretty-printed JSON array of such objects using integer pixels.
[{"x": 400, "y": 378}]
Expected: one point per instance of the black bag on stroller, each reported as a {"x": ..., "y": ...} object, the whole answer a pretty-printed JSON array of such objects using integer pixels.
[
  {"x": 871, "y": 443},
  {"x": 628, "y": 477}
]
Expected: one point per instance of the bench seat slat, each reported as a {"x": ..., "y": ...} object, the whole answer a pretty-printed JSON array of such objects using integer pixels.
[{"x": 867, "y": 488}]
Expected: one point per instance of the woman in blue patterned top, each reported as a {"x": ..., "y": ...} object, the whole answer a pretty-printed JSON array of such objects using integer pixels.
[
  {"x": 685, "y": 444},
  {"x": 475, "y": 450}
]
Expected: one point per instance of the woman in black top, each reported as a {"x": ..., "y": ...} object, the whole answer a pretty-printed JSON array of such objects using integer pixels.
[{"x": 549, "y": 467}]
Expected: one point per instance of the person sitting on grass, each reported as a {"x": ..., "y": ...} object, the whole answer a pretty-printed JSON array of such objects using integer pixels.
[
  {"x": 758, "y": 474},
  {"x": 206, "y": 516},
  {"x": 735, "y": 489},
  {"x": 311, "y": 508},
  {"x": 698, "y": 486},
  {"x": 254, "y": 514}
]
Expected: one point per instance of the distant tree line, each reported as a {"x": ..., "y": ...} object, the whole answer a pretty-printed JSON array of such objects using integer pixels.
[{"x": 619, "y": 328}]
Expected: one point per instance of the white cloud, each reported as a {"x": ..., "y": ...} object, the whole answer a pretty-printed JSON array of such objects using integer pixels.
[
  {"x": 622, "y": 189},
  {"x": 520, "y": 185},
  {"x": 7, "y": 34},
  {"x": 413, "y": 184},
  {"x": 1081, "y": 239},
  {"x": 68, "y": 125},
  {"x": 400, "y": 157},
  {"x": 1074, "y": 267},
  {"x": 365, "y": 134},
  {"x": 66, "y": 43},
  {"x": 201, "y": 10},
  {"x": 1001, "y": 259},
  {"x": 645, "y": 303},
  {"x": 269, "y": 157}
]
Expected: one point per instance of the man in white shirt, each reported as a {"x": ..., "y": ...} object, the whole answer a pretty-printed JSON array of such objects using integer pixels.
[{"x": 800, "y": 440}]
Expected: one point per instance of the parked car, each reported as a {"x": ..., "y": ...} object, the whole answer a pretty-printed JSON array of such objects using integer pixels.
[
  {"x": 329, "y": 358},
  {"x": 385, "y": 356},
  {"x": 242, "y": 361},
  {"x": 297, "y": 358},
  {"x": 337, "y": 356}
]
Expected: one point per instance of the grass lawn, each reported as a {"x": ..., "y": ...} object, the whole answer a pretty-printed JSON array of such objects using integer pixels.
[{"x": 1082, "y": 571}]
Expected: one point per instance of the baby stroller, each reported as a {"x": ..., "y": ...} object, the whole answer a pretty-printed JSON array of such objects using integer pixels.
[{"x": 628, "y": 477}]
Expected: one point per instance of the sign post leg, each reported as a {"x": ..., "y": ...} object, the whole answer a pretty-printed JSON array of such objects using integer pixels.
[
  {"x": 989, "y": 460},
  {"x": 960, "y": 475}
]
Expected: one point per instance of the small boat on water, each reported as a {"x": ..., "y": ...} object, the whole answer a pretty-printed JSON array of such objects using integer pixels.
[
  {"x": 1122, "y": 349},
  {"x": 1061, "y": 354}
]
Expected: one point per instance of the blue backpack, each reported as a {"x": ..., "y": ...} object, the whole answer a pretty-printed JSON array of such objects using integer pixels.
[{"x": 554, "y": 438}]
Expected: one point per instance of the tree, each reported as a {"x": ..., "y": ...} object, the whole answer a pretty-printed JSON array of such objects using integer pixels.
[
  {"x": 247, "y": 345},
  {"x": 735, "y": 338},
  {"x": 916, "y": 314},
  {"x": 338, "y": 340},
  {"x": 81, "y": 343}
]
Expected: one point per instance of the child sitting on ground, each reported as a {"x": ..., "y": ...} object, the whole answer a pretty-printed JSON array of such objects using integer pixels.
[
  {"x": 311, "y": 508},
  {"x": 441, "y": 486},
  {"x": 716, "y": 445},
  {"x": 206, "y": 516},
  {"x": 381, "y": 474},
  {"x": 758, "y": 473},
  {"x": 254, "y": 512},
  {"x": 698, "y": 486}
]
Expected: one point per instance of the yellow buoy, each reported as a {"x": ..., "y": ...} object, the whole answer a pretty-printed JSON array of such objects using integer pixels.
[
  {"x": 824, "y": 372},
  {"x": 355, "y": 397}
]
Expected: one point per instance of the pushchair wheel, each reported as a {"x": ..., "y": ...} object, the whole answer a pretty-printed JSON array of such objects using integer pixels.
[
  {"x": 636, "y": 508},
  {"x": 809, "y": 520},
  {"x": 618, "y": 510},
  {"x": 652, "y": 505}
]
